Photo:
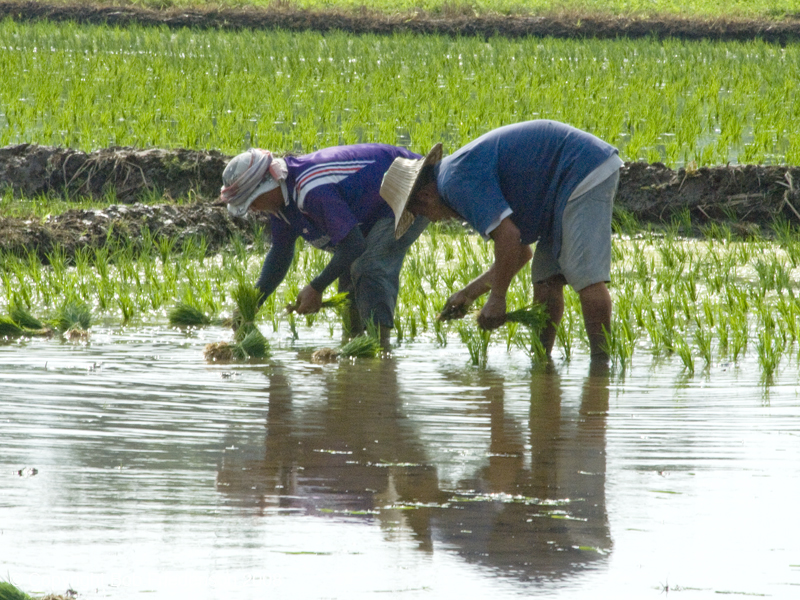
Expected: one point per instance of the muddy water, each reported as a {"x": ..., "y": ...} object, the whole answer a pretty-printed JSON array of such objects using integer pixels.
[{"x": 131, "y": 469}]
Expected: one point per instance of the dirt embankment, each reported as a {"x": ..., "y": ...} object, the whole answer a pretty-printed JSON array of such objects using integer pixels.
[
  {"x": 284, "y": 16},
  {"x": 744, "y": 197}
]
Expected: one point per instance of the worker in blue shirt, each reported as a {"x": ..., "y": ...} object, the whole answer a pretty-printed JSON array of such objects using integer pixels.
[{"x": 538, "y": 181}]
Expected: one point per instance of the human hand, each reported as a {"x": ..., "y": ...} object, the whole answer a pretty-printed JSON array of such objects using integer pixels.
[
  {"x": 309, "y": 300},
  {"x": 455, "y": 307},
  {"x": 493, "y": 313}
]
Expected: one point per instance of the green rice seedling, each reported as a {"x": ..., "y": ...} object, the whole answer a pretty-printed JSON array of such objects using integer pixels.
[
  {"x": 703, "y": 340},
  {"x": 620, "y": 342},
  {"x": 769, "y": 349},
  {"x": 684, "y": 352},
  {"x": 511, "y": 333},
  {"x": 126, "y": 306},
  {"x": 440, "y": 331},
  {"x": 739, "y": 335},
  {"x": 564, "y": 335},
  {"x": 476, "y": 341}
]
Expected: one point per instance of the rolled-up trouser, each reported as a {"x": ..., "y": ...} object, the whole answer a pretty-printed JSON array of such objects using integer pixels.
[
  {"x": 374, "y": 278},
  {"x": 585, "y": 256}
]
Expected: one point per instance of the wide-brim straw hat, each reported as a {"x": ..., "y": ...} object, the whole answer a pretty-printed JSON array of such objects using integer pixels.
[{"x": 400, "y": 183}]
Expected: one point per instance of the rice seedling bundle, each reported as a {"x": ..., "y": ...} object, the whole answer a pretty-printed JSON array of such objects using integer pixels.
[
  {"x": 185, "y": 314},
  {"x": 534, "y": 317},
  {"x": 73, "y": 315},
  {"x": 361, "y": 346},
  {"x": 252, "y": 346}
]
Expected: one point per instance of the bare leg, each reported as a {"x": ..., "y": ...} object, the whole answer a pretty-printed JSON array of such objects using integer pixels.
[
  {"x": 550, "y": 292},
  {"x": 596, "y": 306}
]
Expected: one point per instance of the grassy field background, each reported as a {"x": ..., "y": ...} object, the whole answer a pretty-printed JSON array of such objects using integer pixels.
[{"x": 749, "y": 9}]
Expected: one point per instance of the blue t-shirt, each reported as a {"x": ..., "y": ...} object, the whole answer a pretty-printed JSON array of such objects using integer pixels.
[
  {"x": 333, "y": 190},
  {"x": 526, "y": 171}
]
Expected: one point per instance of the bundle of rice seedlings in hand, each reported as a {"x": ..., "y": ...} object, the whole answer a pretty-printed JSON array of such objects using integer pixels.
[
  {"x": 449, "y": 313},
  {"x": 73, "y": 319},
  {"x": 185, "y": 314},
  {"x": 534, "y": 317},
  {"x": 336, "y": 301}
]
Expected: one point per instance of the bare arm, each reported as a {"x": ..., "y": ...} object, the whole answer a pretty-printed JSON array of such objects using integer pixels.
[{"x": 510, "y": 257}]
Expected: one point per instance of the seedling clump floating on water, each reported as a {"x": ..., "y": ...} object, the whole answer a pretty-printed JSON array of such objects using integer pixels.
[
  {"x": 186, "y": 314},
  {"x": 249, "y": 342},
  {"x": 19, "y": 322},
  {"x": 73, "y": 319},
  {"x": 252, "y": 346}
]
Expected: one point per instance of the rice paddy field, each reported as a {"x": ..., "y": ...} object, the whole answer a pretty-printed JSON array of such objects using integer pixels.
[{"x": 463, "y": 464}]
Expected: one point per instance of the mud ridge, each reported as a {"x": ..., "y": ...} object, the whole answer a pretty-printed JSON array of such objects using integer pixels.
[
  {"x": 456, "y": 24},
  {"x": 140, "y": 190}
]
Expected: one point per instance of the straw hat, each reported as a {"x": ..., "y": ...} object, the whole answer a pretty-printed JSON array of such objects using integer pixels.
[{"x": 400, "y": 184}]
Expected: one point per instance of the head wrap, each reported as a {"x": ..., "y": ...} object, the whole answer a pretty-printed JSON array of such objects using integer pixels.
[{"x": 243, "y": 178}]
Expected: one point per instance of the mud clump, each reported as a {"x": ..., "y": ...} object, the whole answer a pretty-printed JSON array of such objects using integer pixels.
[
  {"x": 139, "y": 192},
  {"x": 737, "y": 195}
]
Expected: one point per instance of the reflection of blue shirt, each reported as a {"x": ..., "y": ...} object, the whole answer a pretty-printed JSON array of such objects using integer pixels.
[
  {"x": 333, "y": 190},
  {"x": 526, "y": 171}
]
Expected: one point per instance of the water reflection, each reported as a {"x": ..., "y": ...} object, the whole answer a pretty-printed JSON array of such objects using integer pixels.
[{"x": 350, "y": 448}]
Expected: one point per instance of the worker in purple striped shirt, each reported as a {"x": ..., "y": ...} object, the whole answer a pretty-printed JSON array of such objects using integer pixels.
[{"x": 330, "y": 198}]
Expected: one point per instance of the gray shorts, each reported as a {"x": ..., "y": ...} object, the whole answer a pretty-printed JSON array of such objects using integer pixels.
[
  {"x": 374, "y": 277},
  {"x": 585, "y": 256}
]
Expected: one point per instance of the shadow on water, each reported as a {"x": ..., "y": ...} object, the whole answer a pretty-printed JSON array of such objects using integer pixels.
[{"x": 532, "y": 507}]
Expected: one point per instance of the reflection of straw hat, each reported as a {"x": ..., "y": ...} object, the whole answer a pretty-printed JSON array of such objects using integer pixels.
[{"x": 400, "y": 183}]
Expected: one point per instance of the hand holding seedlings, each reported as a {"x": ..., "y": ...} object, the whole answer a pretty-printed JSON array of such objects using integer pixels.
[
  {"x": 336, "y": 301},
  {"x": 455, "y": 307},
  {"x": 493, "y": 313}
]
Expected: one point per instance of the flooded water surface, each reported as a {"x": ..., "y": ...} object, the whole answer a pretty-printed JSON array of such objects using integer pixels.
[{"x": 130, "y": 468}]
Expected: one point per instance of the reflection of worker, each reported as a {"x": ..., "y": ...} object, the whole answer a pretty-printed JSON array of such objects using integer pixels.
[
  {"x": 534, "y": 507},
  {"x": 331, "y": 199},
  {"x": 353, "y": 452},
  {"x": 538, "y": 181},
  {"x": 553, "y": 521}
]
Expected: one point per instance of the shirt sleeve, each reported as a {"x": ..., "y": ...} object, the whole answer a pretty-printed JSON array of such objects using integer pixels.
[
  {"x": 325, "y": 208},
  {"x": 278, "y": 259}
]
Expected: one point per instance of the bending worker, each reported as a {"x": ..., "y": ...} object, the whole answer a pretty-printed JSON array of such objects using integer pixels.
[
  {"x": 331, "y": 199},
  {"x": 538, "y": 181}
]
